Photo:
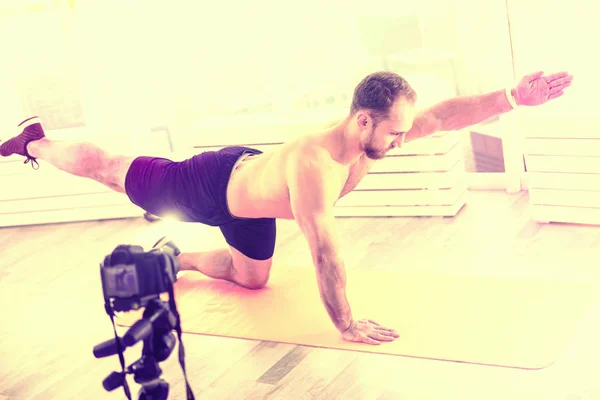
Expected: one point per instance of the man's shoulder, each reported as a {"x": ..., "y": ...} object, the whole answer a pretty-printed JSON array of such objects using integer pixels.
[
  {"x": 309, "y": 149},
  {"x": 307, "y": 156}
]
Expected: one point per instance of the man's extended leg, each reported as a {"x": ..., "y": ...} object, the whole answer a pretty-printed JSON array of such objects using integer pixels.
[
  {"x": 85, "y": 160},
  {"x": 81, "y": 159}
]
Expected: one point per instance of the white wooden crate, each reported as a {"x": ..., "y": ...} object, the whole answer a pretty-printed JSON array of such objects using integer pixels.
[
  {"x": 559, "y": 127},
  {"x": 565, "y": 198},
  {"x": 69, "y": 214},
  {"x": 404, "y": 197},
  {"x": 563, "y": 181},
  {"x": 413, "y": 180},
  {"x": 419, "y": 163},
  {"x": 562, "y": 155},
  {"x": 569, "y": 214},
  {"x": 49, "y": 198},
  {"x": 562, "y": 147},
  {"x": 562, "y": 164},
  {"x": 404, "y": 211}
]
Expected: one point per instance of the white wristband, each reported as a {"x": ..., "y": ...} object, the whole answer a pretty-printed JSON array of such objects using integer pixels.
[{"x": 510, "y": 98}]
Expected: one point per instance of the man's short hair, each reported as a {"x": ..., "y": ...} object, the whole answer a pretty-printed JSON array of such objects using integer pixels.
[{"x": 378, "y": 91}]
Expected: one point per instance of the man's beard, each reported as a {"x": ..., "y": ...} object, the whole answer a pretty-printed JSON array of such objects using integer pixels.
[{"x": 371, "y": 151}]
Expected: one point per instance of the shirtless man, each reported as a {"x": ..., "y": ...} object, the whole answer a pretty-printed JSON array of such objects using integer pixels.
[{"x": 243, "y": 190}]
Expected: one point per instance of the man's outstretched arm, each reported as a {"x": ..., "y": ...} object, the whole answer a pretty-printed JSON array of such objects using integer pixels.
[
  {"x": 460, "y": 112},
  {"x": 312, "y": 198}
]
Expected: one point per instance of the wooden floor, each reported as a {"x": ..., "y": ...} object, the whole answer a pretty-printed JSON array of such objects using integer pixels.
[{"x": 52, "y": 310}]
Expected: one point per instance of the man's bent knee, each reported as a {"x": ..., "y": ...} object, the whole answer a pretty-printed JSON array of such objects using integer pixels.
[
  {"x": 249, "y": 273},
  {"x": 255, "y": 283},
  {"x": 254, "y": 277}
]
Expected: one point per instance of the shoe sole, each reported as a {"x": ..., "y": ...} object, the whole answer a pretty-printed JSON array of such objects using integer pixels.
[
  {"x": 161, "y": 242},
  {"x": 165, "y": 241},
  {"x": 29, "y": 122}
]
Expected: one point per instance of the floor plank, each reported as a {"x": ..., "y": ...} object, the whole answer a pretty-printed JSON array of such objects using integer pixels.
[
  {"x": 285, "y": 364},
  {"x": 313, "y": 374},
  {"x": 260, "y": 364}
]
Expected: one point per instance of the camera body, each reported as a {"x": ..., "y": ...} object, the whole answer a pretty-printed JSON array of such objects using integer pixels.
[{"x": 131, "y": 277}]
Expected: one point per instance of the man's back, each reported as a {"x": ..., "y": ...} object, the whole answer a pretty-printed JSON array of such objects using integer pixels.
[{"x": 259, "y": 185}]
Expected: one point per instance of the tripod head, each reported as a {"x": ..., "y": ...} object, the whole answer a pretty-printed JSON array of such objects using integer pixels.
[{"x": 155, "y": 330}]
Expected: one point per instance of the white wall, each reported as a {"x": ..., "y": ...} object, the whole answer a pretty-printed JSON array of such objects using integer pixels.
[
  {"x": 140, "y": 63},
  {"x": 553, "y": 36}
]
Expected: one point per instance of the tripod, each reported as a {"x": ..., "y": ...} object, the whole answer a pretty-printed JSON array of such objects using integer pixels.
[{"x": 155, "y": 330}]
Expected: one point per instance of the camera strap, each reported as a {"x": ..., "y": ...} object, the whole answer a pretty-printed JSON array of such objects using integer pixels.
[
  {"x": 190, "y": 394},
  {"x": 120, "y": 349}
]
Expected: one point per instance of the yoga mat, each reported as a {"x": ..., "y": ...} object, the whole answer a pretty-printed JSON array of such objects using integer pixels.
[{"x": 519, "y": 323}]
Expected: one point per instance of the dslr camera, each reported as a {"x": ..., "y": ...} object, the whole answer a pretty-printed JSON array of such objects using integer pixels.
[{"x": 133, "y": 279}]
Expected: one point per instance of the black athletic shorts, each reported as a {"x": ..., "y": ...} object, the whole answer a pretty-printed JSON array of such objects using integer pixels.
[{"x": 195, "y": 190}]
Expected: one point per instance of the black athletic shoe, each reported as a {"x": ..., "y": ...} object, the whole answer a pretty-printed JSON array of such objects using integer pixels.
[
  {"x": 165, "y": 241},
  {"x": 151, "y": 217},
  {"x": 32, "y": 130}
]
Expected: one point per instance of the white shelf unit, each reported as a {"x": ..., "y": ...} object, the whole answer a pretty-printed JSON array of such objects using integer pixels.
[
  {"x": 424, "y": 178},
  {"x": 562, "y": 156}
]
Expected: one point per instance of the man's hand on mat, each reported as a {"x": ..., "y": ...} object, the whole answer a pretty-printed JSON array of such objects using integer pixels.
[{"x": 369, "y": 331}]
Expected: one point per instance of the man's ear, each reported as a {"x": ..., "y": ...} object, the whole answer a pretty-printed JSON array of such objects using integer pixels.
[{"x": 362, "y": 119}]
